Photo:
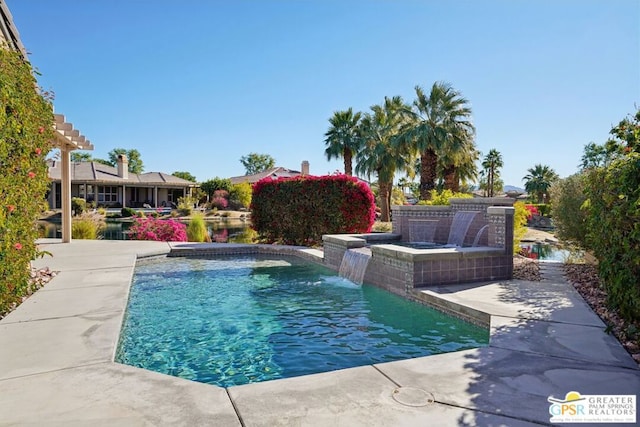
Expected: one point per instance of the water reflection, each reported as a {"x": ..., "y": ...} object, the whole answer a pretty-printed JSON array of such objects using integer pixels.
[{"x": 224, "y": 231}]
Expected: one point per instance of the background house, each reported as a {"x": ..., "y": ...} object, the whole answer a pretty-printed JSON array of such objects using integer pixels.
[
  {"x": 273, "y": 173},
  {"x": 117, "y": 187}
]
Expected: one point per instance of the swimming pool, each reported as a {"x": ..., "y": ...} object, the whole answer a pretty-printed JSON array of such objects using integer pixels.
[{"x": 244, "y": 319}]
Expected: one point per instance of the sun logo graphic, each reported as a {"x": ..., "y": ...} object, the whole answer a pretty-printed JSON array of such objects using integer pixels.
[
  {"x": 579, "y": 408},
  {"x": 573, "y": 404}
]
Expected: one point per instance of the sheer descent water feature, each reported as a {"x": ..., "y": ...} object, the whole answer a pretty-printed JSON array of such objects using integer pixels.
[{"x": 475, "y": 238}]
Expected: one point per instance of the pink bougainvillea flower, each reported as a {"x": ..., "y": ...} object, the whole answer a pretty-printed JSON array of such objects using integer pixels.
[
  {"x": 41, "y": 129},
  {"x": 31, "y": 174},
  {"x": 38, "y": 151},
  {"x": 11, "y": 208},
  {"x": 18, "y": 246}
]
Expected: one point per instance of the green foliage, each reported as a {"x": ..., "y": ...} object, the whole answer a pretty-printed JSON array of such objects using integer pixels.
[
  {"x": 80, "y": 156},
  {"x": 212, "y": 185},
  {"x": 520, "y": 216},
  {"x": 128, "y": 212},
  {"x": 538, "y": 181},
  {"x": 443, "y": 198},
  {"x": 397, "y": 197},
  {"x": 87, "y": 226},
  {"x": 185, "y": 175},
  {"x": 300, "y": 210},
  {"x": 26, "y": 132},
  {"x": 197, "y": 229},
  {"x": 241, "y": 194},
  {"x": 343, "y": 139},
  {"x": 613, "y": 224},
  {"x": 569, "y": 217},
  {"x": 133, "y": 157},
  {"x": 78, "y": 205},
  {"x": 255, "y": 163},
  {"x": 185, "y": 205}
]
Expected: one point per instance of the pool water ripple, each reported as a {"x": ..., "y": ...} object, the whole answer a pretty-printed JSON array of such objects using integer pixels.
[{"x": 232, "y": 321}]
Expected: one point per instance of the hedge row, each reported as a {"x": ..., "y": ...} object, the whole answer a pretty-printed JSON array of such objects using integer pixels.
[
  {"x": 26, "y": 132},
  {"x": 300, "y": 210}
]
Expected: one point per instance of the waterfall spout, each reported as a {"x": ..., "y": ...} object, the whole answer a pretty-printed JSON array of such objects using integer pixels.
[
  {"x": 354, "y": 264},
  {"x": 460, "y": 226}
]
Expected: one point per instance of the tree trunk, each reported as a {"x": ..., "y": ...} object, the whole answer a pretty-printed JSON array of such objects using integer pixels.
[
  {"x": 491, "y": 190},
  {"x": 384, "y": 193},
  {"x": 428, "y": 173},
  {"x": 348, "y": 156},
  {"x": 451, "y": 179}
]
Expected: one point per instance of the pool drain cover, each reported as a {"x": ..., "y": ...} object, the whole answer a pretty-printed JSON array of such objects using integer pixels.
[{"x": 410, "y": 396}]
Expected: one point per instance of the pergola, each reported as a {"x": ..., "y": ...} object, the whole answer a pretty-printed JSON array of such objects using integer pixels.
[{"x": 67, "y": 139}]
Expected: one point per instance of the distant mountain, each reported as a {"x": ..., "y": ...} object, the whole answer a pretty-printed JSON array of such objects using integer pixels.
[{"x": 508, "y": 188}]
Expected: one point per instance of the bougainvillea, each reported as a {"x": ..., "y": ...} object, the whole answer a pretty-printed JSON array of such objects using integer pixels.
[
  {"x": 161, "y": 230},
  {"x": 300, "y": 210},
  {"x": 26, "y": 132}
]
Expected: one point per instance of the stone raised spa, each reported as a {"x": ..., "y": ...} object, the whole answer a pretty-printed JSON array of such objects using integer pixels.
[{"x": 469, "y": 241}]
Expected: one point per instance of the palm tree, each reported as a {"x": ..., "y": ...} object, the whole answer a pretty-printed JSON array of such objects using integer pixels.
[
  {"x": 342, "y": 138},
  {"x": 491, "y": 163},
  {"x": 457, "y": 164},
  {"x": 440, "y": 125},
  {"x": 378, "y": 154},
  {"x": 539, "y": 180}
]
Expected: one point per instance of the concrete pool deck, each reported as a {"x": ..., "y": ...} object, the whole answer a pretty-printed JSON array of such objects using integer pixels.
[{"x": 57, "y": 349}]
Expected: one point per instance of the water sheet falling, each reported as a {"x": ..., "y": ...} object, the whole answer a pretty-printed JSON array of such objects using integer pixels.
[
  {"x": 354, "y": 264},
  {"x": 460, "y": 226}
]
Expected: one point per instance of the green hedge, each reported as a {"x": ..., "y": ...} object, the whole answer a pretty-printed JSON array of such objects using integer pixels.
[
  {"x": 613, "y": 224},
  {"x": 26, "y": 132},
  {"x": 300, "y": 210}
]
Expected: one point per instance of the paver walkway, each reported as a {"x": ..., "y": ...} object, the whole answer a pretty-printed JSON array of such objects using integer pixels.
[{"x": 57, "y": 348}]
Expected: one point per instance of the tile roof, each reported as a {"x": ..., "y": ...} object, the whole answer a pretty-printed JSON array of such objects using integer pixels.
[
  {"x": 274, "y": 173},
  {"x": 98, "y": 172}
]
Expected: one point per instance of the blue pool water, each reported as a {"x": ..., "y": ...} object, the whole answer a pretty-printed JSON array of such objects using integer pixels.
[{"x": 232, "y": 321}]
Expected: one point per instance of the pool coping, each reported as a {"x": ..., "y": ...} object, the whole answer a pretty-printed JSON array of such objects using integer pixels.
[{"x": 58, "y": 346}]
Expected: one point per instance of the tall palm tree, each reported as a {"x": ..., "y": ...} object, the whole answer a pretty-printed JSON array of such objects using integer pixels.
[
  {"x": 492, "y": 163},
  {"x": 342, "y": 138},
  {"x": 378, "y": 154},
  {"x": 539, "y": 180},
  {"x": 457, "y": 163},
  {"x": 440, "y": 125}
]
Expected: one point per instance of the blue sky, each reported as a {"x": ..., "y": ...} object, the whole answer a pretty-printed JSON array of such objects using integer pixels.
[{"x": 194, "y": 85}]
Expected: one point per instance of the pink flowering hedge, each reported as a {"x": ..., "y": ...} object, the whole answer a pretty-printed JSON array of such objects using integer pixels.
[
  {"x": 26, "y": 132},
  {"x": 300, "y": 210},
  {"x": 160, "y": 230}
]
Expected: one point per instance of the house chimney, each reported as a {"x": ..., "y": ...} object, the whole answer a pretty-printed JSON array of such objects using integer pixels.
[
  {"x": 304, "y": 170},
  {"x": 123, "y": 166}
]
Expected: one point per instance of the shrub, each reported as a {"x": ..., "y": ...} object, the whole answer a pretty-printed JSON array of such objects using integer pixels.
[
  {"x": 78, "y": 205},
  {"x": 162, "y": 230},
  {"x": 544, "y": 209},
  {"x": 197, "y": 229},
  {"x": 300, "y": 210},
  {"x": 26, "y": 132},
  {"x": 520, "y": 216},
  {"x": 443, "y": 197},
  {"x": 241, "y": 194},
  {"x": 128, "y": 212},
  {"x": 219, "y": 203},
  {"x": 185, "y": 205},
  {"x": 569, "y": 217},
  {"x": 613, "y": 225},
  {"x": 87, "y": 226}
]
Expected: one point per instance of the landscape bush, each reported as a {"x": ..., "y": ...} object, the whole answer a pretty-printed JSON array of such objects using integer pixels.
[
  {"x": 613, "y": 224},
  {"x": 569, "y": 216},
  {"x": 300, "y": 210},
  {"x": 128, "y": 212},
  {"x": 185, "y": 205},
  {"x": 78, "y": 205},
  {"x": 197, "y": 229},
  {"x": 87, "y": 226},
  {"x": 162, "y": 230},
  {"x": 241, "y": 194},
  {"x": 520, "y": 215},
  {"x": 612, "y": 217},
  {"x": 26, "y": 132},
  {"x": 442, "y": 198}
]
